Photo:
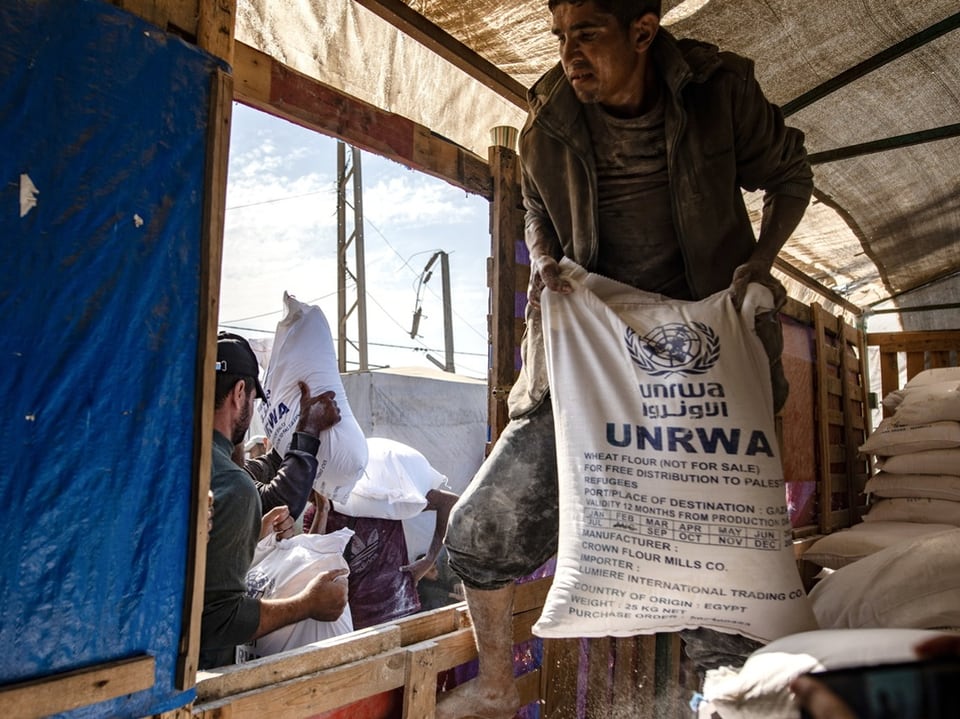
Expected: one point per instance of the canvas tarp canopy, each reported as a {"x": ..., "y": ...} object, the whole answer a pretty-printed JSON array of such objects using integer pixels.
[{"x": 882, "y": 225}]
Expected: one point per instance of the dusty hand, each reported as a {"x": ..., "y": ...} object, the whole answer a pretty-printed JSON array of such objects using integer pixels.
[
  {"x": 418, "y": 569},
  {"x": 819, "y": 700},
  {"x": 277, "y": 520},
  {"x": 317, "y": 413},
  {"x": 326, "y": 595},
  {"x": 209, "y": 512},
  {"x": 759, "y": 272},
  {"x": 545, "y": 272}
]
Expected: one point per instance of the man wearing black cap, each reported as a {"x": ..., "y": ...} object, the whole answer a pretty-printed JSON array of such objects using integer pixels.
[{"x": 229, "y": 616}]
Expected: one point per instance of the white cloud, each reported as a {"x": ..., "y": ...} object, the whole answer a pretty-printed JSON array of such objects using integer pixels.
[
  {"x": 281, "y": 235},
  {"x": 410, "y": 199}
]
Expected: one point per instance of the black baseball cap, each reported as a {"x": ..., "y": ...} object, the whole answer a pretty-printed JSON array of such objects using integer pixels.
[{"x": 235, "y": 357}]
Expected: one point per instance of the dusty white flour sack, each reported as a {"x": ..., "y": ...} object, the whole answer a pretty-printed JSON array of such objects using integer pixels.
[
  {"x": 672, "y": 503},
  {"x": 394, "y": 484},
  {"x": 303, "y": 350},
  {"x": 282, "y": 569}
]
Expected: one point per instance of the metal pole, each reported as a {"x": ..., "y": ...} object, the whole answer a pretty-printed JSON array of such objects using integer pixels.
[
  {"x": 447, "y": 312},
  {"x": 360, "y": 261},
  {"x": 341, "y": 258},
  {"x": 343, "y": 265}
]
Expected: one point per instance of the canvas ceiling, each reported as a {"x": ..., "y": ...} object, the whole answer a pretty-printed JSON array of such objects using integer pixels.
[{"x": 881, "y": 224}]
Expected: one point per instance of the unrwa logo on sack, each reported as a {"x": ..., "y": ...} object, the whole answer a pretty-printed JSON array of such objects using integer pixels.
[
  {"x": 674, "y": 348},
  {"x": 273, "y": 415}
]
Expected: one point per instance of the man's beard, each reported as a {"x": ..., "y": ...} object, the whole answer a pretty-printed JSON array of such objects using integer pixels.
[
  {"x": 242, "y": 424},
  {"x": 586, "y": 97}
]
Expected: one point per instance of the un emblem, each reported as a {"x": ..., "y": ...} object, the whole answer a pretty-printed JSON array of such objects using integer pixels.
[
  {"x": 674, "y": 348},
  {"x": 259, "y": 583}
]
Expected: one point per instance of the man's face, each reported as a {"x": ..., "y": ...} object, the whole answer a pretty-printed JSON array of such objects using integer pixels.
[
  {"x": 599, "y": 57},
  {"x": 242, "y": 424}
]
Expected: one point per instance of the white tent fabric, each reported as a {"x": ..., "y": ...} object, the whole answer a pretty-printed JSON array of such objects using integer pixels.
[{"x": 441, "y": 415}]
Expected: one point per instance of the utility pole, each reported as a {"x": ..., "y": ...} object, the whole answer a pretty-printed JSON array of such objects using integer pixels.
[
  {"x": 447, "y": 365},
  {"x": 359, "y": 305},
  {"x": 447, "y": 313}
]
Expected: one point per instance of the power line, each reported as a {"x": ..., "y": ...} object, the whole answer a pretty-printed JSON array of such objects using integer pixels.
[
  {"x": 422, "y": 348},
  {"x": 332, "y": 190},
  {"x": 277, "y": 312},
  {"x": 406, "y": 263},
  {"x": 281, "y": 199}
]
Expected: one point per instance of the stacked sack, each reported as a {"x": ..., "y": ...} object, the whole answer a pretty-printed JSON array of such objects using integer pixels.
[
  {"x": 918, "y": 452},
  {"x": 898, "y": 568}
]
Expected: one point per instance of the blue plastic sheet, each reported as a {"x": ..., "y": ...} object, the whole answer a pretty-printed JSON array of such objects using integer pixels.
[{"x": 104, "y": 125}]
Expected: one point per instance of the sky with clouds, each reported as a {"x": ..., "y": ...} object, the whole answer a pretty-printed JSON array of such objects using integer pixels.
[{"x": 281, "y": 235}]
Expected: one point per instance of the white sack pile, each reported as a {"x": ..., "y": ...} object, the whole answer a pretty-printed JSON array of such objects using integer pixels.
[
  {"x": 918, "y": 452},
  {"x": 899, "y": 567}
]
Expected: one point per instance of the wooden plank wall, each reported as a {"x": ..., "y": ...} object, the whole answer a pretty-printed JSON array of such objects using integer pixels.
[
  {"x": 338, "y": 672},
  {"x": 842, "y": 420},
  {"x": 645, "y": 675},
  {"x": 914, "y": 351}
]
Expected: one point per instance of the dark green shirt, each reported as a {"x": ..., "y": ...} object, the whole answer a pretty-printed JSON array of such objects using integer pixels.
[{"x": 230, "y": 617}]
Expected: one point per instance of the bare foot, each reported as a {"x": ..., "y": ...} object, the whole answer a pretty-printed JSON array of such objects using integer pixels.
[{"x": 471, "y": 700}]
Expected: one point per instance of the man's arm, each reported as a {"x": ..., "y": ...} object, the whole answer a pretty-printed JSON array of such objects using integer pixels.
[
  {"x": 781, "y": 215},
  {"x": 323, "y": 599},
  {"x": 441, "y": 502},
  {"x": 287, "y": 482},
  {"x": 543, "y": 246},
  {"x": 771, "y": 156}
]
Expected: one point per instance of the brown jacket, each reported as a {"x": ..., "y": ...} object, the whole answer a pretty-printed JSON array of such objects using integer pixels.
[{"x": 722, "y": 135}]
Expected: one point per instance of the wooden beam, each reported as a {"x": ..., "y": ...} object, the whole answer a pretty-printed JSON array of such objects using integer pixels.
[
  {"x": 313, "y": 693},
  {"x": 925, "y": 341},
  {"x": 558, "y": 686},
  {"x": 823, "y": 371},
  {"x": 598, "y": 676},
  {"x": 420, "y": 687},
  {"x": 528, "y": 686},
  {"x": 211, "y": 254},
  {"x": 72, "y": 690},
  {"x": 506, "y": 230},
  {"x": 310, "y": 659},
  {"x": 435, "y": 38},
  {"x": 805, "y": 279},
  {"x": 215, "y": 27},
  {"x": 271, "y": 86}
]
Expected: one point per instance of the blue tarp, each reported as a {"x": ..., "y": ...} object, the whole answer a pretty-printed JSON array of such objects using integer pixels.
[{"x": 103, "y": 120}]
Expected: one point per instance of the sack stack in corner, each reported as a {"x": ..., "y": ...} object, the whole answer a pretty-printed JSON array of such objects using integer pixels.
[
  {"x": 897, "y": 568},
  {"x": 918, "y": 452}
]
